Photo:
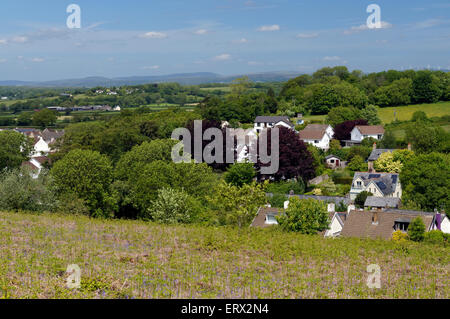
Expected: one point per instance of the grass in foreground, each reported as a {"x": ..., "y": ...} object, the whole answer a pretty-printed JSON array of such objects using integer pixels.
[{"x": 129, "y": 259}]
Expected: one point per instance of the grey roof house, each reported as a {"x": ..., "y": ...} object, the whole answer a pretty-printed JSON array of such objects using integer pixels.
[{"x": 379, "y": 184}]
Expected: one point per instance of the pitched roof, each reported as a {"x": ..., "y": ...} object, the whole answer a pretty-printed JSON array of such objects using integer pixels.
[
  {"x": 317, "y": 127},
  {"x": 271, "y": 119},
  {"x": 370, "y": 129},
  {"x": 377, "y": 152},
  {"x": 359, "y": 223},
  {"x": 312, "y": 134},
  {"x": 386, "y": 182},
  {"x": 332, "y": 156},
  {"x": 41, "y": 159},
  {"x": 331, "y": 199},
  {"x": 373, "y": 201},
  {"x": 260, "y": 219}
]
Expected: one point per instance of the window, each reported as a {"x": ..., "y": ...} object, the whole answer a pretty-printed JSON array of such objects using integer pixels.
[
  {"x": 332, "y": 161},
  {"x": 316, "y": 142},
  {"x": 358, "y": 184},
  {"x": 400, "y": 225},
  {"x": 271, "y": 220}
]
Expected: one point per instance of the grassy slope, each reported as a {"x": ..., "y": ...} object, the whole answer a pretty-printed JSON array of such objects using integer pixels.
[{"x": 121, "y": 259}]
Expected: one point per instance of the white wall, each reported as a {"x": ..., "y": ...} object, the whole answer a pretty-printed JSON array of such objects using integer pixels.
[{"x": 324, "y": 143}]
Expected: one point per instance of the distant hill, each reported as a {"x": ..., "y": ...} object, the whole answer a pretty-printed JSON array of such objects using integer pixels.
[{"x": 182, "y": 78}]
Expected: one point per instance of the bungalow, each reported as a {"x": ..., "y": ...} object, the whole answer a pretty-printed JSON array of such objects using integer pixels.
[
  {"x": 361, "y": 132},
  {"x": 382, "y": 224},
  {"x": 317, "y": 135},
  {"x": 263, "y": 122},
  {"x": 379, "y": 184}
]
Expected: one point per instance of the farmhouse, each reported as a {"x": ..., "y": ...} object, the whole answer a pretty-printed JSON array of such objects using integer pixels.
[
  {"x": 379, "y": 184},
  {"x": 318, "y": 135},
  {"x": 361, "y": 132},
  {"x": 263, "y": 122}
]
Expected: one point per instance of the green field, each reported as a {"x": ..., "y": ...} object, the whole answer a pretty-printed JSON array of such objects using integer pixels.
[
  {"x": 132, "y": 259},
  {"x": 403, "y": 113}
]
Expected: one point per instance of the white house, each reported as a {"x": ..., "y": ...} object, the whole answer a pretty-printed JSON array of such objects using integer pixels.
[
  {"x": 361, "y": 132},
  {"x": 318, "y": 135},
  {"x": 336, "y": 225},
  {"x": 264, "y": 122},
  {"x": 379, "y": 184}
]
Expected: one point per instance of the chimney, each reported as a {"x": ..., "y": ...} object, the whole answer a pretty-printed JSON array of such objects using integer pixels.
[
  {"x": 409, "y": 147},
  {"x": 374, "y": 146},
  {"x": 375, "y": 218},
  {"x": 370, "y": 166}
]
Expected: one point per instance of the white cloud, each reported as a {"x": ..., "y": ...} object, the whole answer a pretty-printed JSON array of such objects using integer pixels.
[
  {"x": 3, "y": 41},
  {"x": 309, "y": 35},
  {"x": 242, "y": 40},
  {"x": 3, "y": 60},
  {"x": 37, "y": 60},
  {"x": 364, "y": 27},
  {"x": 254, "y": 63},
  {"x": 266, "y": 28},
  {"x": 201, "y": 32},
  {"x": 430, "y": 23},
  {"x": 153, "y": 67},
  {"x": 332, "y": 58},
  {"x": 154, "y": 35},
  {"x": 222, "y": 57},
  {"x": 20, "y": 39}
]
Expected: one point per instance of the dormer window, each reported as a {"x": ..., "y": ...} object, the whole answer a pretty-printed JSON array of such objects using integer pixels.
[{"x": 271, "y": 220}]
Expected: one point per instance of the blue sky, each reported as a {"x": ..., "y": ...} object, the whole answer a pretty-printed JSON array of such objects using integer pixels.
[{"x": 137, "y": 37}]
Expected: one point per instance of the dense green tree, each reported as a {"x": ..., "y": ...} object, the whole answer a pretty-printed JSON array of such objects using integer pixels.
[
  {"x": 15, "y": 149},
  {"x": 370, "y": 113},
  {"x": 357, "y": 164},
  {"x": 306, "y": 216},
  {"x": 425, "y": 180},
  {"x": 427, "y": 138},
  {"x": 426, "y": 88},
  {"x": 240, "y": 173},
  {"x": 88, "y": 175},
  {"x": 341, "y": 114},
  {"x": 44, "y": 118}
]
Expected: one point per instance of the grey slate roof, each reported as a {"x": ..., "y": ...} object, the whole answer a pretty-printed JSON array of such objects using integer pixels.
[
  {"x": 376, "y": 153},
  {"x": 332, "y": 199},
  {"x": 386, "y": 182},
  {"x": 373, "y": 201}
]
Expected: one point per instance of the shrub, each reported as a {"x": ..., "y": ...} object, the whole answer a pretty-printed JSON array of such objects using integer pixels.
[
  {"x": 172, "y": 207},
  {"x": 20, "y": 191},
  {"x": 416, "y": 229},
  {"x": 434, "y": 237},
  {"x": 88, "y": 175},
  {"x": 399, "y": 236},
  {"x": 240, "y": 173},
  {"x": 285, "y": 187},
  {"x": 306, "y": 216},
  {"x": 277, "y": 200}
]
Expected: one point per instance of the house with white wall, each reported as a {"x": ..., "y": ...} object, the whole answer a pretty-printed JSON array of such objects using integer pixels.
[
  {"x": 379, "y": 184},
  {"x": 265, "y": 122},
  {"x": 361, "y": 132},
  {"x": 317, "y": 135}
]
